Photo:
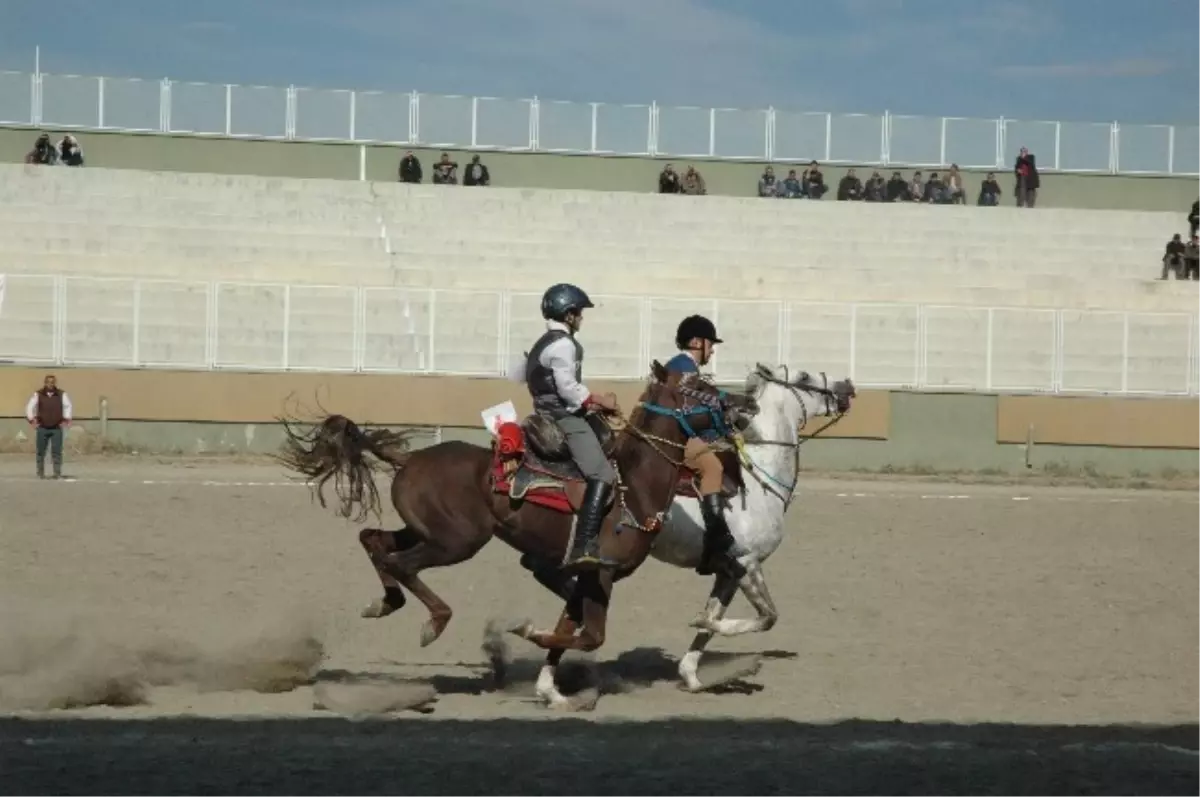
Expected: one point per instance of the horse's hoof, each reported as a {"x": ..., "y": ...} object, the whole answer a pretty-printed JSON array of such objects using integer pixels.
[
  {"x": 378, "y": 608},
  {"x": 521, "y": 628},
  {"x": 429, "y": 633}
]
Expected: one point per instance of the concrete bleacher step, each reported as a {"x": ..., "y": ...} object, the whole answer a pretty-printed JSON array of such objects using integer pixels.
[{"x": 435, "y": 262}]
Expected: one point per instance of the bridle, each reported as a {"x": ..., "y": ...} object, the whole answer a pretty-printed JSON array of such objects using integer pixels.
[
  {"x": 832, "y": 405},
  {"x": 712, "y": 406}
]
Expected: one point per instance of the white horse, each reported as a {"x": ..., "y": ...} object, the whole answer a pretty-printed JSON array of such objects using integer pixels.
[{"x": 770, "y": 469}]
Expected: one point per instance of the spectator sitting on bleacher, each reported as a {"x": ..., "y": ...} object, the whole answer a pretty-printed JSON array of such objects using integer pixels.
[
  {"x": 445, "y": 171},
  {"x": 955, "y": 194},
  {"x": 410, "y": 168},
  {"x": 1191, "y": 259},
  {"x": 1173, "y": 258},
  {"x": 916, "y": 188},
  {"x": 476, "y": 173},
  {"x": 668, "y": 180},
  {"x": 814, "y": 181},
  {"x": 897, "y": 189},
  {"x": 933, "y": 190},
  {"x": 693, "y": 183},
  {"x": 69, "y": 151},
  {"x": 768, "y": 186},
  {"x": 792, "y": 187},
  {"x": 43, "y": 152},
  {"x": 989, "y": 191},
  {"x": 850, "y": 188},
  {"x": 1194, "y": 218},
  {"x": 876, "y": 189},
  {"x": 1028, "y": 180}
]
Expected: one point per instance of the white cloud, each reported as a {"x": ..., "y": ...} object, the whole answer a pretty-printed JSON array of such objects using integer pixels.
[
  {"x": 674, "y": 51},
  {"x": 1123, "y": 67}
]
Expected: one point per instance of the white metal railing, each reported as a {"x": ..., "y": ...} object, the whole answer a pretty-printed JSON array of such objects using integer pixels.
[
  {"x": 419, "y": 119},
  {"x": 248, "y": 326}
]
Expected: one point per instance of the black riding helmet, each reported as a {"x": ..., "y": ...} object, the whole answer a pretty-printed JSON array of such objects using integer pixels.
[
  {"x": 558, "y": 300},
  {"x": 695, "y": 326}
]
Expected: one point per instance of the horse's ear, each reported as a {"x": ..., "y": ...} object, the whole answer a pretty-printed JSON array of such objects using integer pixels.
[
  {"x": 763, "y": 370},
  {"x": 658, "y": 370}
]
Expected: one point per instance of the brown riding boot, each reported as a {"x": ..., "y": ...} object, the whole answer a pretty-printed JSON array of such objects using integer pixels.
[{"x": 585, "y": 552}]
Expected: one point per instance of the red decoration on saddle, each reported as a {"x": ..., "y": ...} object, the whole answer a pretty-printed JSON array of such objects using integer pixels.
[
  {"x": 510, "y": 448},
  {"x": 510, "y": 440}
]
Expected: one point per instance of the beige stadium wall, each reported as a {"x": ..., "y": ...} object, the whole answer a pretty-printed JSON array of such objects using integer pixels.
[
  {"x": 217, "y": 411},
  {"x": 542, "y": 170}
]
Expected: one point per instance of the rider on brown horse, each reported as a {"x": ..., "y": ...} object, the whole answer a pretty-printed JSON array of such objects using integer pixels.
[
  {"x": 696, "y": 337},
  {"x": 554, "y": 374}
]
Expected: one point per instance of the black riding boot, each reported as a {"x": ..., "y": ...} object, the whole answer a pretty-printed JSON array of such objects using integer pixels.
[
  {"x": 718, "y": 540},
  {"x": 585, "y": 553}
]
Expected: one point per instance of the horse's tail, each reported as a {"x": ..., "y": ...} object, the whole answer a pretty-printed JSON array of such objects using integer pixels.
[{"x": 337, "y": 448}]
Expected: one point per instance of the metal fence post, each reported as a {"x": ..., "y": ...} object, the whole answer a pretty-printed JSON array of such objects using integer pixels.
[
  {"x": 287, "y": 325},
  {"x": 414, "y": 117},
  {"x": 100, "y": 102},
  {"x": 164, "y": 106},
  {"x": 595, "y": 123},
  {"x": 535, "y": 124},
  {"x": 474, "y": 122},
  {"x": 137, "y": 322},
  {"x": 652, "y": 129}
]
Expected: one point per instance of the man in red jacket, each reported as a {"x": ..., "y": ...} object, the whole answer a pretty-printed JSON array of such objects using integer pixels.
[{"x": 49, "y": 413}]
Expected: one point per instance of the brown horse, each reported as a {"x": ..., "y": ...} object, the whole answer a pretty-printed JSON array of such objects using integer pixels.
[{"x": 454, "y": 496}]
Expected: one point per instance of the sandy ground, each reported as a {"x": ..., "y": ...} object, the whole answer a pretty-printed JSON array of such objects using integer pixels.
[{"x": 983, "y": 638}]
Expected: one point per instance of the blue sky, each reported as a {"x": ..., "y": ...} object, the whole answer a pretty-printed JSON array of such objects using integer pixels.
[{"x": 1129, "y": 60}]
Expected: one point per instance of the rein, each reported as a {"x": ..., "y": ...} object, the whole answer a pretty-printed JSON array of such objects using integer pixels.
[
  {"x": 789, "y": 490},
  {"x": 708, "y": 405}
]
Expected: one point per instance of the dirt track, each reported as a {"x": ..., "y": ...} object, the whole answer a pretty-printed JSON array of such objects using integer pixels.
[{"x": 216, "y": 592}]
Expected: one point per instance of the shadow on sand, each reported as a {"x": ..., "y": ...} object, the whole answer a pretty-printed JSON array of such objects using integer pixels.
[
  {"x": 557, "y": 756},
  {"x": 639, "y": 668}
]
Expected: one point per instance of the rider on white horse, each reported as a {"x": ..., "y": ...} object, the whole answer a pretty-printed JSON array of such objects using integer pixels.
[{"x": 696, "y": 338}]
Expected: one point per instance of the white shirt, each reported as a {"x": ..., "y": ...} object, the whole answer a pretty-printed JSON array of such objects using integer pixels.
[
  {"x": 559, "y": 357},
  {"x": 31, "y": 407}
]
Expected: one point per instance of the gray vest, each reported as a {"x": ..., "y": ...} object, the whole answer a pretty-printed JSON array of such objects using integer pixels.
[{"x": 540, "y": 379}]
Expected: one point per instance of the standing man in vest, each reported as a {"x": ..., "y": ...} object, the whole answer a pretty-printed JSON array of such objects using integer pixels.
[
  {"x": 49, "y": 413},
  {"x": 554, "y": 374},
  {"x": 696, "y": 337}
]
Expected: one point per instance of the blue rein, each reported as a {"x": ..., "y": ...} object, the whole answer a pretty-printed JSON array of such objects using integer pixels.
[{"x": 716, "y": 416}]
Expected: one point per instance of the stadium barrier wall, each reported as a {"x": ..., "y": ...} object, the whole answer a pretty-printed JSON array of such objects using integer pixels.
[
  {"x": 348, "y": 161},
  {"x": 197, "y": 412}
]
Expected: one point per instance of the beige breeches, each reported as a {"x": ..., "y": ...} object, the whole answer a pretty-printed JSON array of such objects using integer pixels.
[{"x": 700, "y": 458}]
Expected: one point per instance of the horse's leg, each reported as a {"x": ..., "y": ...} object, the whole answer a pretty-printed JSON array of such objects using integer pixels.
[
  {"x": 754, "y": 586},
  {"x": 593, "y": 589},
  {"x": 723, "y": 590},
  {"x": 568, "y": 623},
  {"x": 425, "y": 553},
  {"x": 550, "y": 576},
  {"x": 378, "y": 544}
]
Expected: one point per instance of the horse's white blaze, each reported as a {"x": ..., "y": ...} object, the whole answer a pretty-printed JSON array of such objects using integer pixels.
[{"x": 757, "y": 523}]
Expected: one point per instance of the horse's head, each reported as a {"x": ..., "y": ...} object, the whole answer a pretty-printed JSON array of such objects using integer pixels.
[
  {"x": 798, "y": 398},
  {"x": 677, "y": 406}
]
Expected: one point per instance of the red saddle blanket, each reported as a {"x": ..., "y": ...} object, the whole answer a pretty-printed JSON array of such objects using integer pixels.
[{"x": 521, "y": 474}]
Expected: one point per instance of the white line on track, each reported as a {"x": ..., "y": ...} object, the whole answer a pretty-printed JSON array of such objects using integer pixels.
[
  {"x": 160, "y": 482},
  {"x": 989, "y": 496}
]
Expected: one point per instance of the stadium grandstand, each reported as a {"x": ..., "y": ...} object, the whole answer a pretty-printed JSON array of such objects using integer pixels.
[{"x": 157, "y": 260}]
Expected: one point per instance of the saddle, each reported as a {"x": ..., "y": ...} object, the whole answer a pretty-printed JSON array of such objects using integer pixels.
[{"x": 531, "y": 462}]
